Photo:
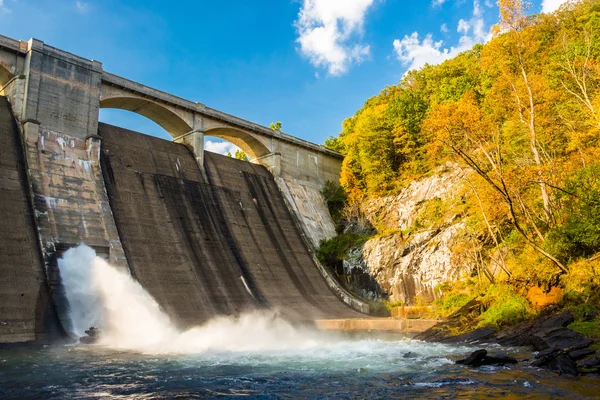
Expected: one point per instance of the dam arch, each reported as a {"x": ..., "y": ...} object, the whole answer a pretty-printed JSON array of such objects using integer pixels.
[
  {"x": 250, "y": 145},
  {"x": 163, "y": 116}
]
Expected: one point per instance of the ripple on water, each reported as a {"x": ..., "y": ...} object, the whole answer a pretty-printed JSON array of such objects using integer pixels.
[{"x": 341, "y": 367}]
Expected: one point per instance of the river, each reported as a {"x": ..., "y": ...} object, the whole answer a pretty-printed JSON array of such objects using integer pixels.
[{"x": 141, "y": 354}]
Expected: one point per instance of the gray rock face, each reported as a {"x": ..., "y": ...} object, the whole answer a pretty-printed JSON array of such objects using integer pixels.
[{"x": 407, "y": 265}]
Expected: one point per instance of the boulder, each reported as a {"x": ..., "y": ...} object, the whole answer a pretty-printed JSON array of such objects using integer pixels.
[
  {"x": 581, "y": 353},
  {"x": 443, "y": 331},
  {"x": 558, "y": 321},
  {"x": 520, "y": 335},
  {"x": 474, "y": 359},
  {"x": 591, "y": 363},
  {"x": 477, "y": 335},
  {"x": 547, "y": 352},
  {"x": 480, "y": 357},
  {"x": 557, "y": 361},
  {"x": 561, "y": 338},
  {"x": 92, "y": 336}
]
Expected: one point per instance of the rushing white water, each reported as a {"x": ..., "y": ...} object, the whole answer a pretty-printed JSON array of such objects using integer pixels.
[
  {"x": 102, "y": 296},
  {"x": 129, "y": 318}
]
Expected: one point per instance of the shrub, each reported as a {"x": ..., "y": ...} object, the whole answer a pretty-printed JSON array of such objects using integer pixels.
[
  {"x": 431, "y": 213},
  {"x": 331, "y": 252},
  {"x": 583, "y": 277},
  {"x": 393, "y": 304},
  {"x": 451, "y": 303},
  {"x": 378, "y": 309},
  {"x": 504, "y": 307},
  {"x": 335, "y": 197},
  {"x": 589, "y": 329}
]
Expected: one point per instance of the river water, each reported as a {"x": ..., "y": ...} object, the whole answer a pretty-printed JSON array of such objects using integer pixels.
[
  {"x": 142, "y": 355},
  {"x": 344, "y": 368}
]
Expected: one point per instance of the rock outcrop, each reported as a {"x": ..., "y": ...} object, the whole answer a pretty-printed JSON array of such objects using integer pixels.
[{"x": 416, "y": 255}]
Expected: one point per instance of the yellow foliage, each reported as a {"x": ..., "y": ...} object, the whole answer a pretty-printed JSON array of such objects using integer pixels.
[
  {"x": 523, "y": 113},
  {"x": 582, "y": 274}
]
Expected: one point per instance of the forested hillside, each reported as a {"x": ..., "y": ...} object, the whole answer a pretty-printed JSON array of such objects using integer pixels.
[{"x": 522, "y": 115}]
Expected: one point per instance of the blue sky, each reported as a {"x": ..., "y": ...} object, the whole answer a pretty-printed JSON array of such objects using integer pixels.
[{"x": 306, "y": 63}]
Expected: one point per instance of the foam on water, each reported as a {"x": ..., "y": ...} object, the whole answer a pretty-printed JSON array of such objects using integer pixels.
[{"x": 129, "y": 318}]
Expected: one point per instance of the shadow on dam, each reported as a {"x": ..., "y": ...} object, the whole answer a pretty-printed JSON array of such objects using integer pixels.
[
  {"x": 27, "y": 312},
  {"x": 215, "y": 242}
]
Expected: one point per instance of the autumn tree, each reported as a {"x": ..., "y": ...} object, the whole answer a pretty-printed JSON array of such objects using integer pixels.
[
  {"x": 522, "y": 111},
  {"x": 478, "y": 141},
  {"x": 515, "y": 57}
]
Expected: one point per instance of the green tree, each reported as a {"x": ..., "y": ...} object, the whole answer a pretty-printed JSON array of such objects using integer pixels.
[
  {"x": 275, "y": 126},
  {"x": 240, "y": 155}
]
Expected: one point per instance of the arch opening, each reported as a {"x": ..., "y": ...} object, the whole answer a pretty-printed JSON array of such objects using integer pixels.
[
  {"x": 247, "y": 143},
  {"x": 168, "y": 120},
  {"x": 217, "y": 145},
  {"x": 133, "y": 121}
]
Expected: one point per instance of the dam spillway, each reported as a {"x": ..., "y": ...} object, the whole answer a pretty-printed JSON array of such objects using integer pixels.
[
  {"x": 214, "y": 242},
  {"x": 204, "y": 242}
]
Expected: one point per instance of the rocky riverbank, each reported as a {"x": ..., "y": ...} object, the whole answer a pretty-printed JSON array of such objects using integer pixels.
[{"x": 556, "y": 347}]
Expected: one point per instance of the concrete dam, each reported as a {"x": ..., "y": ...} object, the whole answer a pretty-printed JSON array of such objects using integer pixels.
[{"x": 204, "y": 234}]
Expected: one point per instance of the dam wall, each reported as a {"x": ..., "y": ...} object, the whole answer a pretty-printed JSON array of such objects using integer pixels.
[
  {"x": 214, "y": 242},
  {"x": 206, "y": 235},
  {"x": 26, "y": 309}
]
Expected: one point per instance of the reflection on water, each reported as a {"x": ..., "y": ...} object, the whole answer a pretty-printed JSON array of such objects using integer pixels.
[{"x": 344, "y": 368}]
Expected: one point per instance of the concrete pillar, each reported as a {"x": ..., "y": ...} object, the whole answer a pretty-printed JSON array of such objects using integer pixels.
[
  {"x": 272, "y": 161},
  {"x": 194, "y": 139},
  {"x": 53, "y": 74},
  {"x": 197, "y": 140}
]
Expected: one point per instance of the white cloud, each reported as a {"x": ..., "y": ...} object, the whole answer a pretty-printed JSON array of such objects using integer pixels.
[
  {"x": 552, "y": 5},
  {"x": 463, "y": 26},
  {"x": 415, "y": 53},
  {"x": 437, "y": 3},
  {"x": 220, "y": 147},
  {"x": 444, "y": 28},
  {"x": 3, "y": 8},
  {"x": 81, "y": 6},
  {"x": 327, "y": 31}
]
